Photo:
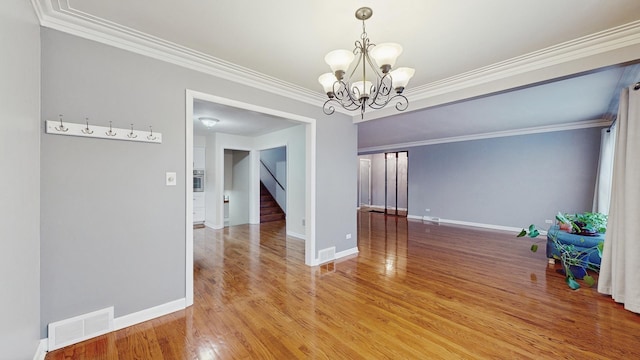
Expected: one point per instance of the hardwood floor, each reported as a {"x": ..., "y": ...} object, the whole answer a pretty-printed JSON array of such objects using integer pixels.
[{"x": 415, "y": 291}]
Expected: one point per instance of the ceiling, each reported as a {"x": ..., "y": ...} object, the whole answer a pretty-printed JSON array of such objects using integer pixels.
[
  {"x": 236, "y": 121},
  {"x": 492, "y": 52}
]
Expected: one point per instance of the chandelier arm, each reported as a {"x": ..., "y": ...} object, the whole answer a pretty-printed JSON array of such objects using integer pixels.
[
  {"x": 382, "y": 92},
  {"x": 344, "y": 96},
  {"x": 358, "y": 52},
  {"x": 403, "y": 102},
  {"x": 327, "y": 108},
  {"x": 401, "y": 105},
  {"x": 375, "y": 70}
]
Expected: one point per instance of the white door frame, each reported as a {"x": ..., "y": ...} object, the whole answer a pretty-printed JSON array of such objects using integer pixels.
[
  {"x": 360, "y": 187},
  {"x": 310, "y": 178}
]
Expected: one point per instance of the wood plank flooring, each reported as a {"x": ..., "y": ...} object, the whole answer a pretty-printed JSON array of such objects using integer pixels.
[{"x": 415, "y": 291}]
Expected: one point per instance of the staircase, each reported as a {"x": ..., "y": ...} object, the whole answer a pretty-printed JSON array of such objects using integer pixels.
[{"x": 269, "y": 208}]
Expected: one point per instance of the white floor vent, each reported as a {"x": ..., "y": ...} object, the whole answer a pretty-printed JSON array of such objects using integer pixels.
[
  {"x": 70, "y": 331},
  {"x": 327, "y": 254}
]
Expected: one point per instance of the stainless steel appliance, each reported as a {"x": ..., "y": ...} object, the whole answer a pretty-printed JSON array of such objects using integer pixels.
[{"x": 198, "y": 180}]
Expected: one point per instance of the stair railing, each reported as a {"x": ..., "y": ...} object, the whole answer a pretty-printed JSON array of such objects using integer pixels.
[{"x": 273, "y": 176}]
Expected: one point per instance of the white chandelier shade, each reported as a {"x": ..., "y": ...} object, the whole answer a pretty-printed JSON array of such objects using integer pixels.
[
  {"x": 339, "y": 60},
  {"x": 386, "y": 54}
]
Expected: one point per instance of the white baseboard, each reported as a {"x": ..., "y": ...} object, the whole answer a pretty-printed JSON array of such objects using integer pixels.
[
  {"x": 346, "y": 253},
  {"x": 148, "y": 314},
  {"x": 414, "y": 217},
  {"x": 336, "y": 256},
  {"x": 468, "y": 223},
  {"x": 211, "y": 225},
  {"x": 296, "y": 235},
  {"x": 41, "y": 351},
  {"x": 121, "y": 322}
]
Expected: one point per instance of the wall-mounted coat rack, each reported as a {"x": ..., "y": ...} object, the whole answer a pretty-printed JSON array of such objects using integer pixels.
[{"x": 103, "y": 132}]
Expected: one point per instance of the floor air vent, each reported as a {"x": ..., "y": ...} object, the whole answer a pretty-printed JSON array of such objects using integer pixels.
[
  {"x": 80, "y": 328},
  {"x": 327, "y": 254}
]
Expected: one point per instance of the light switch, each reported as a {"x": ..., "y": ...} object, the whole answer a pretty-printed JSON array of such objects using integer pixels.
[{"x": 171, "y": 179}]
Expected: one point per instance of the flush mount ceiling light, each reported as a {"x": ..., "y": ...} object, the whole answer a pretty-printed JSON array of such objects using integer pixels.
[
  {"x": 376, "y": 91},
  {"x": 208, "y": 121}
]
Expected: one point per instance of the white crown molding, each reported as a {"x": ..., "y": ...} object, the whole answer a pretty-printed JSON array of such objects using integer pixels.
[
  {"x": 576, "y": 49},
  {"x": 496, "y": 134},
  {"x": 66, "y": 19},
  {"x": 71, "y": 21}
]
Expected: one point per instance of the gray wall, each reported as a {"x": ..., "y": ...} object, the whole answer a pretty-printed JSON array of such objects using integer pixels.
[
  {"x": 271, "y": 156},
  {"x": 510, "y": 181},
  {"x": 337, "y": 178},
  {"x": 112, "y": 233},
  {"x": 20, "y": 184}
]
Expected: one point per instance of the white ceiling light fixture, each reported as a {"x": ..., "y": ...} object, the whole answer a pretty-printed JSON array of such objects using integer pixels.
[
  {"x": 208, "y": 121},
  {"x": 377, "y": 91}
]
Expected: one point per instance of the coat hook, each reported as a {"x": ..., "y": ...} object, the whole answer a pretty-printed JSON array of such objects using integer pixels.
[
  {"x": 86, "y": 130},
  {"x": 61, "y": 127},
  {"x": 150, "y": 136},
  {"x": 110, "y": 132},
  {"x": 131, "y": 135}
]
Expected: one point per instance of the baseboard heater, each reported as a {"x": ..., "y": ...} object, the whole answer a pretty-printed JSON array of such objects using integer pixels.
[{"x": 74, "y": 330}]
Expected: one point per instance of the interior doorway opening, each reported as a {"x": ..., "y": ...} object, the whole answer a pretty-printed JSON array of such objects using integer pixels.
[
  {"x": 273, "y": 184},
  {"x": 396, "y": 199}
]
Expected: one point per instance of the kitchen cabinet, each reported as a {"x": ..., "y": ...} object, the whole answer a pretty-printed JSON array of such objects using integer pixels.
[
  {"x": 198, "y": 158},
  {"x": 198, "y": 207}
]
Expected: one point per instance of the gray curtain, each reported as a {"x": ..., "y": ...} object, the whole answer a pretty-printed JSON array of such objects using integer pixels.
[{"x": 620, "y": 270}]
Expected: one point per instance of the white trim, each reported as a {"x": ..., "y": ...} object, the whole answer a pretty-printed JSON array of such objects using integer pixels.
[
  {"x": 310, "y": 173},
  {"x": 211, "y": 225},
  {"x": 71, "y": 21},
  {"x": 414, "y": 217},
  {"x": 575, "y": 49},
  {"x": 578, "y": 51},
  {"x": 188, "y": 185},
  {"x": 66, "y": 19},
  {"x": 296, "y": 235},
  {"x": 490, "y": 135},
  {"x": 368, "y": 203},
  {"x": 345, "y": 253},
  {"x": 148, "y": 314},
  {"x": 41, "y": 351},
  {"x": 468, "y": 223}
]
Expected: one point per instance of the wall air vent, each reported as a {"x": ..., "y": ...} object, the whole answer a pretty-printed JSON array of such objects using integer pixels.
[
  {"x": 70, "y": 331},
  {"x": 328, "y": 254}
]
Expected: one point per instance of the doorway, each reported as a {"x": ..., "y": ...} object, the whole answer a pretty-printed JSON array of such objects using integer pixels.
[
  {"x": 309, "y": 156},
  {"x": 273, "y": 184},
  {"x": 396, "y": 189},
  {"x": 365, "y": 183},
  {"x": 237, "y": 186}
]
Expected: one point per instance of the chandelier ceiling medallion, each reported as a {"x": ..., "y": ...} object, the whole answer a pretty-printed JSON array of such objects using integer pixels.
[{"x": 374, "y": 92}]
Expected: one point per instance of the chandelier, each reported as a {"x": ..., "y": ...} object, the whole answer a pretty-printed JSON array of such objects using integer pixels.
[{"x": 374, "y": 92}]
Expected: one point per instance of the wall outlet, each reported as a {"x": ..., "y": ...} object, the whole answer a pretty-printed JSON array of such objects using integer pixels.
[
  {"x": 427, "y": 210},
  {"x": 348, "y": 236},
  {"x": 548, "y": 221}
]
